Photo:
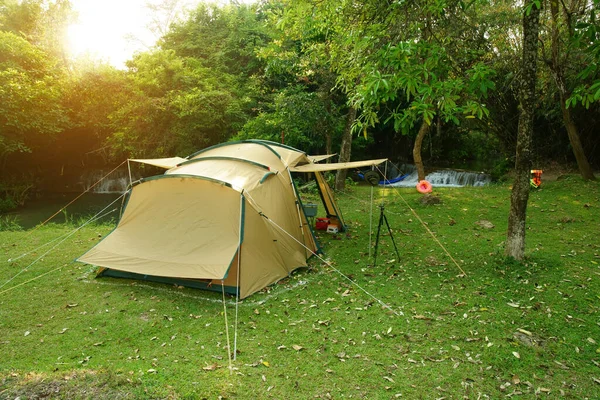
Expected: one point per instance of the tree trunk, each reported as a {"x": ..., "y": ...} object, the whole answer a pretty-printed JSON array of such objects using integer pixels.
[
  {"x": 515, "y": 238},
  {"x": 328, "y": 144},
  {"x": 328, "y": 128},
  {"x": 559, "y": 78},
  {"x": 417, "y": 149},
  {"x": 346, "y": 149}
]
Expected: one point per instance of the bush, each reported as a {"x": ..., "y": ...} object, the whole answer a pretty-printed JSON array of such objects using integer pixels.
[
  {"x": 7, "y": 204},
  {"x": 9, "y": 223},
  {"x": 500, "y": 170},
  {"x": 14, "y": 193}
]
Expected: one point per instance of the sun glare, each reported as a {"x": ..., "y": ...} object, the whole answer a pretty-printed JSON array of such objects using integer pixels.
[
  {"x": 113, "y": 30},
  {"x": 109, "y": 30}
]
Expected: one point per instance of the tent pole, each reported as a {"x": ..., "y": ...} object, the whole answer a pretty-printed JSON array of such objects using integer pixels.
[
  {"x": 226, "y": 328},
  {"x": 297, "y": 197}
]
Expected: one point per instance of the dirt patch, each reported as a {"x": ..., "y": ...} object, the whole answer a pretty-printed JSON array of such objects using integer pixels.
[
  {"x": 553, "y": 171},
  {"x": 74, "y": 385}
]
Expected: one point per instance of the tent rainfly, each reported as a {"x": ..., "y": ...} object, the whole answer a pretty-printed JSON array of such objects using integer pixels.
[{"x": 226, "y": 216}]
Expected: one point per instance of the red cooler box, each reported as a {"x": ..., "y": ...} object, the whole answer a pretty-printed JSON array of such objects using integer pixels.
[{"x": 322, "y": 223}]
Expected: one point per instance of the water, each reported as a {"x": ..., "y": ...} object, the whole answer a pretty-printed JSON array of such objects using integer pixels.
[
  {"x": 97, "y": 194},
  {"x": 116, "y": 182},
  {"x": 39, "y": 210},
  {"x": 446, "y": 178}
]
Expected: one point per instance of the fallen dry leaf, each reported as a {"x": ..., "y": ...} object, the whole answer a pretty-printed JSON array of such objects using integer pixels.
[{"x": 211, "y": 367}]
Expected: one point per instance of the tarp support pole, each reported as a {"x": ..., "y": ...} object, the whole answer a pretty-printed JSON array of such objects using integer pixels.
[
  {"x": 239, "y": 263},
  {"x": 385, "y": 178},
  {"x": 371, "y": 221},
  {"x": 129, "y": 170}
]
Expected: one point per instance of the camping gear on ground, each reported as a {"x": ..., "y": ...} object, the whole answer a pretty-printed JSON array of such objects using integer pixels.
[
  {"x": 376, "y": 181},
  {"x": 536, "y": 178},
  {"x": 322, "y": 224},
  {"x": 382, "y": 219},
  {"x": 311, "y": 210},
  {"x": 225, "y": 218}
]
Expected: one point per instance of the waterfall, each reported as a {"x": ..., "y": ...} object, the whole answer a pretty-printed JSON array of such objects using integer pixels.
[
  {"x": 116, "y": 182},
  {"x": 447, "y": 178}
]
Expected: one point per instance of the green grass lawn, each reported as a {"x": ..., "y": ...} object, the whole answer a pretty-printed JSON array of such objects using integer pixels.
[{"x": 522, "y": 330}]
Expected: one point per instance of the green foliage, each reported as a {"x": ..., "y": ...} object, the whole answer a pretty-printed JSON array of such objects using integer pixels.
[
  {"x": 584, "y": 46},
  {"x": 399, "y": 63},
  {"x": 298, "y": 116},
  {"x": 30, "y": 88},
  {"x": 426, "y": 73},
  {"x": 14, "y": 191},
  {"x": 195, "y": 90},
  {"x": 8, "y": 222},
  {"x": 222, "y": 38},
  {"x": 499, "y": 172},
  {"x": 42, "y": 23},
  {"x": 175, "y": 106}
]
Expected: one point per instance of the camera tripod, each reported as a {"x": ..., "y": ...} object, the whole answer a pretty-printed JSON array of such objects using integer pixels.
[{"x": 382, "y": 219}]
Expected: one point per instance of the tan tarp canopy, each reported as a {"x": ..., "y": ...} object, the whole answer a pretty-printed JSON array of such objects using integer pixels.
[
  {"x": 320, "y": 158},
  {"x": 160, "y": 162},
  {"x": 226, "y": 217},
  {"x": 336, "y": 166}
]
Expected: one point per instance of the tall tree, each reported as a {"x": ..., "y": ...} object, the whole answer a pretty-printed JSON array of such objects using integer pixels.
[
  {"x": 558, "y": 62},
  {"x": 515, "y": 238},
  {"x": 346, "y": 149},
  {"x": 300, "y": 103},
  {"x": 407, "y": 62}
]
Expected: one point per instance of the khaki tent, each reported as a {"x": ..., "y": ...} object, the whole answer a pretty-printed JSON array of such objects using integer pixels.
[{"x": 228, "y": 216}]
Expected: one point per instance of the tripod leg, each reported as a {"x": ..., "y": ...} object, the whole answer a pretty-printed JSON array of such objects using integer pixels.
[
  {"x": 377, "y": 239},
  {"x": 391, "y": 236}
]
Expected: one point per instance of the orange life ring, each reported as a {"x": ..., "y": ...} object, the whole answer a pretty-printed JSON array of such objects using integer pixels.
[{"x": 424, "y": 187}]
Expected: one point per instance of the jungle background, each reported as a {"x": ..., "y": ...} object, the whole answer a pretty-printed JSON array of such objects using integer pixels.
[{"x": 317, "y": 76}]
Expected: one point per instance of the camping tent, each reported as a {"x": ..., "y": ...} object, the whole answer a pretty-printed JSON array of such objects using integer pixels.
[{"x": 226, "y": 217}]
